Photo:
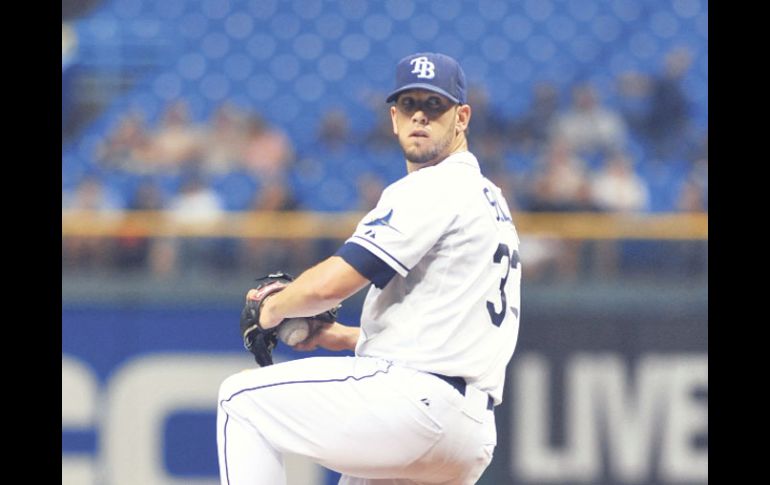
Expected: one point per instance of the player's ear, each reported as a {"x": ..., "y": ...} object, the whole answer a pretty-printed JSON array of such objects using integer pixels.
[
  {"x": 463, "y": 117},
  {"x": 393, "y": 119}
]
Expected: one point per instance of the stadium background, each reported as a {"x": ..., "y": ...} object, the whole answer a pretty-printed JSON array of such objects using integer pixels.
[{"x": 165, "y": 223}]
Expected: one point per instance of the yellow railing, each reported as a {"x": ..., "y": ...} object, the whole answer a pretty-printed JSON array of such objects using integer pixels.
[
  {"x": 340, "y": 225},
  {"x": 586, "y": 225}
]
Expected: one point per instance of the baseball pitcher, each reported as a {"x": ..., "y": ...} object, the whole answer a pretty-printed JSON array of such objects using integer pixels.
[{"x": 439, "y": 324}]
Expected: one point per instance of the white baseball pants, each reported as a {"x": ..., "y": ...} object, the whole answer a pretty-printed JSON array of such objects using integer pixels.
[{"x": 370, "y": 420}]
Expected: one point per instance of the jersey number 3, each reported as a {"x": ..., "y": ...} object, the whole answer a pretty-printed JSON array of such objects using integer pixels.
[{"x": 513, "y": 262}]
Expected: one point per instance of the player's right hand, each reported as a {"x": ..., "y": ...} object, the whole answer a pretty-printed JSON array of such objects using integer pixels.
[{"x": 333, "y": 336}]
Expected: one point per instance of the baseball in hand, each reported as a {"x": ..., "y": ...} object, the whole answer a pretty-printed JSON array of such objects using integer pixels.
[{"x": 293, "y": 331}]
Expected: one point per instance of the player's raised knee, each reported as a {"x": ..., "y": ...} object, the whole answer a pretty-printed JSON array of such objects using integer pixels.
[{"x": 230, "y": 386}]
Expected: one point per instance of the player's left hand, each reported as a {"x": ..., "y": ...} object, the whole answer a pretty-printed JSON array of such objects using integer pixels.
[
  {"x": 260, "y": 341},
  {"x": 257, "y": 340}
]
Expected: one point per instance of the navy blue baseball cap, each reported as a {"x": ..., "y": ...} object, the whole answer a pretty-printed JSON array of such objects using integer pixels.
[{"x": 431, "y": 71}]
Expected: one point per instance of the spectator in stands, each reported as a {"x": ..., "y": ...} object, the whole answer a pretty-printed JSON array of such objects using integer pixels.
[
  {"x": 98, "y": 204},
  {"x": 334, "y": 132},
  {"x": 693, "y": 197},
  {"x": 588, "y": 126},
  {"x": 662, "y": 109},
  {"x": 267, "y": 151},
  {"x": 333, "y": 160},
  {"x": 196, "y": 202},
  {"x": 693, "y": 193},
  {"x": 380, "y": 138},
  {"x": 560, "y": 180},
  {"x": 699, "y": 173},
  {"x": 177, "y": 143},
  {"x": 276, "y": 196},
  {"x": 128, "y": 146},
  {"x": 616, "y": 187},
  {"x": 69, "y": 45},
  {"x": 670, "y": 114},
  {"x": 489, "y": 129},
  {"x": 225, "y": 140},
  {"x": 91, "y": 194},
  {"x": 559, "y": 183},
  {"x": 195, "y": 207},
  {"x": 133, "y": 253},
  {"x": 531, "y": 131},
  {"x": 69, "y": 59},
  {"x": 264, "y": 255},
  {"x": 700, "y": 151}
]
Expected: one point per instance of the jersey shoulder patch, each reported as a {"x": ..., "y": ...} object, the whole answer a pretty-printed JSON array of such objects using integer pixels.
[{"x": 382, "y": 221}]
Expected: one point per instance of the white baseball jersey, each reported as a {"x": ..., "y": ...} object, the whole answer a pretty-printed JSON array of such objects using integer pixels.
[
  {"x": 442, "y": 254},
  {"x": 446, "y": 300}
]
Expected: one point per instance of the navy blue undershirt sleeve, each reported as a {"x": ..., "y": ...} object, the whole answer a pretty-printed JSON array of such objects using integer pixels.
[{"x": 366, "y": 263}]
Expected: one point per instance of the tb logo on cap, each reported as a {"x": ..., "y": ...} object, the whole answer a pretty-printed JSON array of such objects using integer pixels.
[{"x": 423, "y": 67}]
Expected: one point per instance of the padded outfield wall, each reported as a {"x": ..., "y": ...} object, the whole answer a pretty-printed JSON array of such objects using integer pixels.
[{"x": 608, "y": 385}]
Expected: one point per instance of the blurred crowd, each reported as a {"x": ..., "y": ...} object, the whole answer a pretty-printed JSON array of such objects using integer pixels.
[{"x": 569, "y": 151}]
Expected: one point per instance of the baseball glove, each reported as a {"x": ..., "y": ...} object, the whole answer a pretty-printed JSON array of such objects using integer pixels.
[{"x": 259, "y": 341}]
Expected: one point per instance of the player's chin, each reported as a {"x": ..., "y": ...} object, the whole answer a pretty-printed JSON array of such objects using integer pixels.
[{"x": 420, "y": 154}]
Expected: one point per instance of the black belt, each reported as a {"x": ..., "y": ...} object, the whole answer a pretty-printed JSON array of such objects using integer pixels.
[{"x": 460, "y": 384}]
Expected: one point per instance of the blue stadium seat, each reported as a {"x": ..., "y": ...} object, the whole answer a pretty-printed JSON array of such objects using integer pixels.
[{"x": 292, "y": 61}]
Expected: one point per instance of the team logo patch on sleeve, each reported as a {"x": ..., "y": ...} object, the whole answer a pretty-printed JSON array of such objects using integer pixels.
[{"x": 383, "y": 221}]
